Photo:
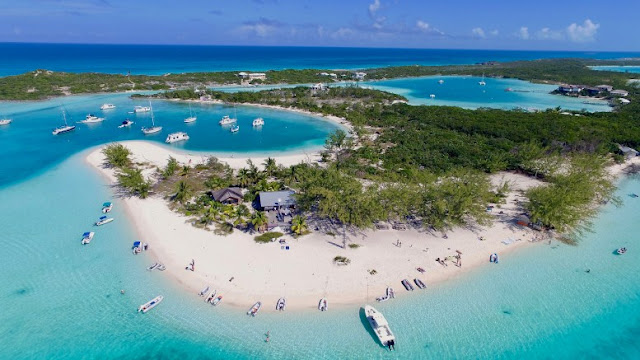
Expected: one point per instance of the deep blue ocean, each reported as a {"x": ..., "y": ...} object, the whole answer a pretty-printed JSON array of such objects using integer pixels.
[{"x": 18, "y": 58}]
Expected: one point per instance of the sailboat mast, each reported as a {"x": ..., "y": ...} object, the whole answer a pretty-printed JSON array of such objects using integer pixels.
[{"x": 153, "y": 123}]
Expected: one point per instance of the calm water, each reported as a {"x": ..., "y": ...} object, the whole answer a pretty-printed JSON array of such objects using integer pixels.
[
  {"x": 28, "y": 145},
  {"x": 161, "y": 59},
  {"x": 464, "y": 91},
  {"x": 629, "y": 69}
]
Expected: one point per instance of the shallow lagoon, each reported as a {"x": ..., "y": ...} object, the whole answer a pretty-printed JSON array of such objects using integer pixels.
[{"x": 629, "y": 69}]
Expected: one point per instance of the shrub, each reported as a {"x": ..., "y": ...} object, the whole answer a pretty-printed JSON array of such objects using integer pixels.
[
  {"x": 341, "y": 260},
  {"x": 354, "y": 246},
  {"x": 117, "y": 155},
  {"x": 267, "y": 237}
]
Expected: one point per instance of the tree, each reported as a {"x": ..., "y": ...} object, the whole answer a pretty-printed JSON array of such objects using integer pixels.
[
  {"x": 259, "y": 220},
  {"x": 117, "y": 155},
  {"x": 183, "y": 192},
  {"x": 132, "y": 180},
  {"x": 170, "y": 169},
  {"x": 241, "y": 213},
  {"x": 270, "y": 166},
  {"x": 299, "y": 225},
  {"x": 244, "y": 177}
]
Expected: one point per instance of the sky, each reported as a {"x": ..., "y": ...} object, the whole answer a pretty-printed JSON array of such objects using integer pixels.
[{"x": 453, "y": 24}]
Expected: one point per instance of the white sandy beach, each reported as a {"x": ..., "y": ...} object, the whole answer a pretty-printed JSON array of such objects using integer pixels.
[{"x": 306, "y": 272}]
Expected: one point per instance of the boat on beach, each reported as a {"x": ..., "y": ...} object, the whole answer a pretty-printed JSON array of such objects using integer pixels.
[
  {"x": 419, "y": 283},
  {"x": 103, "y": 220},
  {"x": 5, "y": 121},
  {"x": 106, "y": 207},
  {"x": 323, "y": 305},
  {"x": 254, "y": 309},
  {"x": 211, "y": 296},
  {"x": 87, "y": 237},
  {"x": 258, "y": 122},
  {"x": 107, "y": 107},
  {"x": 204, "y": 291},
  {"x": 217, "y": 300},
  {"x": 177, "y": 136},
  {"x": 91, "y": 119},
  {"x": 150, "y": 304},
  {"x": 380, "y": 327},
  {"x": 125, "y": 123},
  {"x": 281, "y": 304},
  {"x": 389, "y": 294},
  {"x": 407, "y": 285}
]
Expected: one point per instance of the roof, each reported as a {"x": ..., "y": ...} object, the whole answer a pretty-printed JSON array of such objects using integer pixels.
[
  {"x": 276, "y": 198},
  {"x": 226, "y": 193}
]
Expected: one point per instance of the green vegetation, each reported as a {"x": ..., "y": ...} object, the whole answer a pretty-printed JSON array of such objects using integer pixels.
[
  {"x": 132, "y": 180},
  {"x": 299, "y": 225},
  {"x": 117, "y": 155},
  {"x": 354, "y": 246},
  {"x": 267, "y": 237},
  {"x": 341, "y": 260}
]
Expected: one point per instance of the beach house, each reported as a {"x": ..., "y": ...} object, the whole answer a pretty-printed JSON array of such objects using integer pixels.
[
  {"x": 570, "y": 89},
  {"x": 359, "y": 76},
  {"x": 252, "y": 76},
  {"x": 230, "y": 195},
  {"x": 606, "y": 88},
  {"x": 318, "y": 87},
  {"x": 270, "y": 200},
  {"x": 619, "y": 92}
]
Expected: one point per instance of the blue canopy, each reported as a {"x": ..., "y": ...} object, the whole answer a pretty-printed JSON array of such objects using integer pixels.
[
  {"x": 136, "y": 243},
  {"x": 86, "y": 234},
  {"x": 103, "y": 217},
  {"x": 106, "y": 204}
]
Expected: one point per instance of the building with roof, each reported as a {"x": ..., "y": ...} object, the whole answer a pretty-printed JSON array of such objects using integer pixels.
[
  {"x": 252, "y": 76},
  {"x": 269, "y": 200},
  {"x": 230, "y": 195},
  {"x": 570, "y": 89},
  {"x": 606, "y": 88},
  {"x": 359, "y": 76},
  {"x": 619, "y": 92}
]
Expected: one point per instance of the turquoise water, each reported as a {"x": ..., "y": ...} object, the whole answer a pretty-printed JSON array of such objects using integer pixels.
[
  {"x": 29, "y": 146},
  {"x": 629, "y": 69},
  {"x": 464, "y": 91}
]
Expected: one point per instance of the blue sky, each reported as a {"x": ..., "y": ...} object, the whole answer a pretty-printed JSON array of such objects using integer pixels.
[{"x": 469, "y": 24}]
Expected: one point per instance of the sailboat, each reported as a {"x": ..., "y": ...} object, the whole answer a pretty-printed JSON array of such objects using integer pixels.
[
  {"x": 63, "y": 128},
  {"x": 153, "y": 129},
  {"x": 5, "y": 121},
  {"x": 191, "y": 118},
  {"x": 482, "y": 82}
]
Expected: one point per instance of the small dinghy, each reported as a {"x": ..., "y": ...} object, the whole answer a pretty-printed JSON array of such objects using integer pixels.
[
  {"x": 254, "y": 309},
  {"x": 323, "y": 305},
  {"x": 106, "y": 207},
  {"x": 282, "y": 304},
  {"x": 87, "y": 237},
  {"x": 150, "y": 304},
  {"x": 204, "y": 291},
  {"x": 621, "y": 251},
  {"x": 217, "y": 300},
  {"x": 211, "y": 296},
  {"x": 407, "y": 285},
  {"x": 103, "y": 220},
  {"x": 136, "y": 248},
  {"x": 153, "y": 267},
  {"x": 419, "y": 283},
  {"x": 161, "y": 267},
  {"x": 493, "y": 258}
]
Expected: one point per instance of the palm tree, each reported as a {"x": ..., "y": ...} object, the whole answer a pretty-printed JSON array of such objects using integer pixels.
[
  {"x": 185, "y": 170},
  {"x": 259, "y": 220},
  {"x": 270, "y": 166},
  {"x": 209, "y": 215},
  {"x": 244, "y": 177},
  {"x": 299, "y": 225},
  {"x": 183, "y": 192},
  {"x": 241, "y": 213}
]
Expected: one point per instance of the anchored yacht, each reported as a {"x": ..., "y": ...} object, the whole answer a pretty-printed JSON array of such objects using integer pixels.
[
  {"x": 107, "y": 107},
  {"x": 177, "y": 136},
  {"x": 258, "y": 122}
]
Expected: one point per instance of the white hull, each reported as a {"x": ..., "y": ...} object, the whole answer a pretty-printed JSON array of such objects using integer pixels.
[
  {"x": 227, "y": 121},
  {"x": 152, "y": 130},
  {"x": 281, "y": 305},
  {"x": 190, "y": 119},
  {"x": 380, "y": 326},
  {"x": 63, "y": 129},
  {"x": 323, "y": 305},
  {"x": 125, "y": 124},
  {"x": 217, "y": 300},
  {"x": 5, "y": 121},
  {"x": 258, "y": 122},
  {"x": 87, "y": 237},
  {"x": 104, "y": 221},
  {"x": 150, "y": 304},
  {"x": 141, "y": 109},
  {"x": 254, "y": 309},
  {"x": 107, "y": 107},
  {"x": 176, "y": 137}
]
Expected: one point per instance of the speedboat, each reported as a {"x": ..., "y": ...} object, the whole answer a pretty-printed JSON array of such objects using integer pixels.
[
  {"x": 217, "y": 300},
  {"x": 204, "y": 291},
  {"x": 235, "y": 129},
  {"x": 150, "y": 304},
  {"x": 226, "y": 120},
  {"x": 92, "y": 119},
  {"x": 107, "y": 107},
  {"x": 323, "y": 305},
  {"x": 177, "y": 136},
  {"x": 125, "y": 123},
  {"x": 106, "y": 207},
  {"x": 419, "y": 283},
  {"x": 440, "y": 81},
  {"x": 380, "y": 327},
  {"x": 87, "y": 237},
  {"x": 621, "y": 251},
  {"x": 254, "y": 309},
  {"x": 433, "y": 96},
  {"x": 258, "y": 122},
  {"x": 103, "y": 220},
  {"x": 211, "y": 296},
  {"x": 407, "y": 285},
  {"x": 282, "y": 304},
  {"x": 141, "y": 109},
  {"x": 5, "y": 121}
]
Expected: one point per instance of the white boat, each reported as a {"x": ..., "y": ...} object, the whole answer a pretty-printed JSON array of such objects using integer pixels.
[
  {"x": 323, "y": 305},
  {"x": 211, "y": 296},
  {"x": 107, "y": 207},
  {"x": 153, "y": 129},
  {"x": 141, "y": 109},
  {"x": 226, "y": 120},
  {"x": 482, "y": 82},
  {"x": 191, "y": 118},
  {"x": 150, "y": 304},
  {"x": 254, "y": 309},
  {"x": 103, "y": 220},
  {"x": 153, "y": 267},
  {"x": 204, "y": 291},
  {"x": 107, "y": 107},
  {"x": 87, "y": 237},
  {"x": 419, "y": 283},
  {"x": 91, "y": 119},
  {"x": 125, "y": 123},
  {"x": 440, "y": 81},
  {"x": 433, "y": 96},
  {"x": 621, "y": 251},
  {"x": 235, "y": 129},
  {"x": 407, "y": 285},
  {"x": 281, "y": 304},
  {"x": 380, "y": 327},
  {"x": 5, "y": 121},
  {"x": 177, "y": 136},
  {"x": 258, "y": 122},
  {"x": 217, "y": 300},
  {"x": 63, "y": 128}
]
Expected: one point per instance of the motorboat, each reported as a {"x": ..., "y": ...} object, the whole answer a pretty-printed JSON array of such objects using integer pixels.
[
  {"x": 235, "y": 129},
  {"x": 63, "y": 128},
  {"x": 407, "y": 285},
  {"x": 107, "y": 107},
  {"x": 153, "y": 267},
  {"x": 150, "y": 304},
  {"x": 433, "y": 96},
  {"x": 103, "y": 220},
  {"x": 160, "y": 267},
  {"x": 226, "y": 120},
  {"x": 177, "y": 136},
  {"x": 258, "y": 122},
  {"x": 323, "y": 305},
  {"x": 254, "y": 309},
  {"x": 211, "y": 296},
  {"x": 380, "y": 327},
  {"x": 125, "y": 123},
  {"x": 419, "y": 283},
  {"x": 87, "y": 237},
  {"x": 136, "y": 248},
  {"x": 440, "y": 81},
  {"x": 106, "y": 207},
  {"x": 217, "y": 300},
  {"x": 204, "y": 291},
  {"x": 141, "y": 109},
  {"x": 621, "y": 251},
  {"x": 281, "y": 304},
  {"x": 5, "y": 121},
  {"x": 191, "y": 118},
  {"x": 153, "y": 129},
  {"x": 91, "y": 119}
]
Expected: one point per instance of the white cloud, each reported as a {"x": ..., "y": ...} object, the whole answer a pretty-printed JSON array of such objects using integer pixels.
[
  {"x": 583, "y": 33},
  {"x": 524, "y": 33},
  {"x": 342, "y": 32},
  {"x": 424, "y": 27},
  {"x": 548, "y": 34},
  {"x": 374, "y": 7},
  {"x": 478, "y": 32},
  {"x": 261, "y": 28},
  {"x": 494, "y": 32}
]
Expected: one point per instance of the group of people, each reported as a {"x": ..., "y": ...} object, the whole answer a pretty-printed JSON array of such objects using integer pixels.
[{"x": 456, "y": 259}]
